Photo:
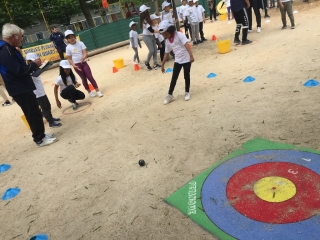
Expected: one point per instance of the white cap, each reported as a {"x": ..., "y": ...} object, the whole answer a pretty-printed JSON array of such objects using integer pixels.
[
  {"x": 182, "y": 0},
  {"x": 132, "y": 23},
  {"x": 143, "y": 8},
  {"x": 163, "y": 26},
  {"x": 31, "y": 56},
  {"x": 165, "y": 4},
  {"x": 154, "y": 16},
  {"x": 65, "y": 64},
  {"x": 68, "y": 32},
  {"x": 190, "y": 0},
  {"x": 194, "y": 1}
]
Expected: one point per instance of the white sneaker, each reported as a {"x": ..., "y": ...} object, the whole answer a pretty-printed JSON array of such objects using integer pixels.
[
  {"x": 49, "y": 135},
  {"x": 249, "y": 31},
  {"x": 92, "y": 94},
  {"x": 259, "y": 29},
  {"x": 46, "y": 141},
  {"x": 187, "y": 96},
  {"x": 168, "y": 99},
  {"x": 100, "y": 94}
]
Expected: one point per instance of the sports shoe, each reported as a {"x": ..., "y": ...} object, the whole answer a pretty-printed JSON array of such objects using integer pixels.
[
  {"x": 246, "y": 42},
  {"x": 92, "y": 94},
  {"x": 156, "y": 67},
  {"x": 56, "y": 119},
  {"x": 292, "y": 26},
  {"x": 195, "y": 43},
  {"x": 199, "y": 41},
  {"x": 204, "y": 39},
  {"x": 99, "y": 94},
  {"x": 46, "y": 141},
  {"x": 237, "y": 40},
  {"x": 148, "y": 66},
  {"x": 168, "y": 99},
  {"x": 266, "y": 16},
  {"x": 6, "y": 103},
  {"x": 49, "y": 135},
  {"x": 74, "y": 106},
  {"x": 250, "y": 30},
  {"x": 259, "y": 29},
  {"x": 283, "y": 27},
  {"x": 187, "y": 96},
  {"x": 54, "y": 125}
]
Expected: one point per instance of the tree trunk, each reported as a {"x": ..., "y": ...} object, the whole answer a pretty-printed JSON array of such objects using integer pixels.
[
  {"x": 86, "y": 12},
  {"x": 175, "y": 15},
  {"x": 156, "y": 7}
]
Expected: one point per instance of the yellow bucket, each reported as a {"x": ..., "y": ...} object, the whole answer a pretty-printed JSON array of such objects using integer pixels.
[
  {"x": 23, "y": 117},
  {"x": 223, "y": 16},
  {"x": 223, "y": 46},
  {"x": 118, "y": 63}
]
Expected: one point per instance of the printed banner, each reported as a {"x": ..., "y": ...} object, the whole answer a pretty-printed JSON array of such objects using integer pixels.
[{"x": 44, "y": 51}]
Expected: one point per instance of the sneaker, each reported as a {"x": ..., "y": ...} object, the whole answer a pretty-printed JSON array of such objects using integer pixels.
[
  {"x": 168, "y": 99},
  {"x": 284, "y": 27},
  {"x": 148, "y": 66},
  {"x": 259, "y": 29},
  {"x": 99, "y": 94},
  {"x": 292, "y": 26},
  {"x": 156, "y": 67},
  {"x": 266, "y": 16},
  {"x": 46, "y": 141},
  {"x": 199, "y": 41},
  {"x": 204, "y": 39},
  {"x": 6, "y": 103},
  {"x": 236, "y": 40},
  {"x": 92, "y": 94},
  {"x": 250, "y": 30},
  {"x": 49, "y": 135},
  {"x": 74, "y": 106},
  {"x": 54, "y": 125},
  {"x": 195, "y": 43},
  {"x": 187, "y": 96},
  {"x": 246, "y": 42},
  {"x": 56, "y": 119}
]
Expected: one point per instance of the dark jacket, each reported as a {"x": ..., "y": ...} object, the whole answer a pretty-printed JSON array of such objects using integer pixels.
[{"x": 14, "y": 70}]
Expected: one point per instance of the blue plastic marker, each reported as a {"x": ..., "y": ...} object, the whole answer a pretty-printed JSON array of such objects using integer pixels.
[
  {"x": 40, "y": 237},
  {"x": 211, "y": 75},
  {"x": 4, "y": 167},
  {"x": 10, "y": 193},
  {"x": 311, "y": 83},
  {"x": 169, "y": 70},
  {"x": 249, "y": 79}
]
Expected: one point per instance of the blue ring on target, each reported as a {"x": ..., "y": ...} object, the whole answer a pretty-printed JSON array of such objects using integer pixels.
[{"x": 229, "y": 220}]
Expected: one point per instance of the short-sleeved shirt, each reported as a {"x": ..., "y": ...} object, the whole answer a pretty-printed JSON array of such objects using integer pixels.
[
  {"x": 134, "y": 35},
  {"x": 60, "y": 83},
  {"x": 145, "y": 30},
  {"x": 183, "y": 10},
  {"x": 158, "y": 35},
  {"x": 200, "y": 10},
  {"x": 75, "y": 51},
  {"x": 237, "y": 5},
  {"x": 57, "y": 38},
  {"x": 192, "y": 14},
  {"x": 167, "y": 16},
  {"x": 180, "y": 51},
  {"x": 39, "y": 92}
]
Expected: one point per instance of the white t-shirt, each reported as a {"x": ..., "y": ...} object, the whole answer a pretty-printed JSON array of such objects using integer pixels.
[
  {"x": 183, "y": 10},
  {"x": 75, "y": 51},
  {"x": 193, "y": 14},
  {"x": 145, "y": 30},
  {"x": 61, "y": 84},
  {"x": 180, "y": 51},
  {"x": 167, "y": 16},
  {"x": 228, "y": 3},
  {"x": 134, "y": 35},
  {"x": 200, "y": 10},
  {"x": 39, "y": 92},
  {"x": 158, "y": 35}
]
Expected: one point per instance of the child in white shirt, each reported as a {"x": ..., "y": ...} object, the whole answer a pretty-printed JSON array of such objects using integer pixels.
[
  {"x": 41, "y": 96},
  {"x": 166, "y": 14},
  {"x": 159, "y": 38},
  {"x": 76, "y": 52},
  {"x": 183, "y": 11},
  {"x": 177, "y": 42},
  {"x": 193, "y": 21},
  {"x": 134, "y": 41},
  {"x": 201, "y": 19}
]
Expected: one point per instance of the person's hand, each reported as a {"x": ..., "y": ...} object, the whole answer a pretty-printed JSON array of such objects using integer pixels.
[
  {"x": 204, "y": 20},
  {"x": 191, "y": 59},
  {"x": 37, "y": 61},
  {"x": 162, "y": 69},
  {"x": 58, "y": 104},
  {"x": 160, "y": 46},
  {"x": 248, "y": 5},
  {"x": 281, "y": 6},
  {"x": 77, "y": 85},
  {"x": 82, "y": 59},
  {"x": 75, "y": 67}
]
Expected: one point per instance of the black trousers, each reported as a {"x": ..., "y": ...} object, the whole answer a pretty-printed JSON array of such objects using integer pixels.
[
  {"x": 30, "y": 107},
  {"x": 213, "y": 11},
  {"x": 45, "y": 108},
  {"x": 61, "y": 51},
  {"x": 255, "y": 7},
  {"x": 72, "y": 94},
  {"x": 186, "y": 27},
  {"x": 201, "y": 30},
  {"x": 162, "y": 50},
  {"x": 175, "y": 74},
  {"x": 241, "y": 19}
]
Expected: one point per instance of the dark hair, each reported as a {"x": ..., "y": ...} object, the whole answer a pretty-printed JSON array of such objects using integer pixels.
[
  {"x": 171, "y": 29},
  {"x": 70, "y": 35},
  {"x": 145, "y": 18},
  {"x": 53, "y": 27},
  {"x": 64, "y": 77}
]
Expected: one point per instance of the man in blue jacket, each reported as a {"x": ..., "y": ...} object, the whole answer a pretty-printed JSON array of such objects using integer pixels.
[{"x": 17, "y": 79}]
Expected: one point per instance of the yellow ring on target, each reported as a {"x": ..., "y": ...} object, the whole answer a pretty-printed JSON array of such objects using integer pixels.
[
  {"x": 274, "y": 189},
  {"x": 222, "y": 7}
]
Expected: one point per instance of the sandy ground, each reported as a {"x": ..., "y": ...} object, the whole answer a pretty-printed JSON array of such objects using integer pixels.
[{"x": 88, "y": 185}]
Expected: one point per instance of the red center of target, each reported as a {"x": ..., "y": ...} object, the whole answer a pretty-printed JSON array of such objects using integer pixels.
[{"x": 303, "y": 205}]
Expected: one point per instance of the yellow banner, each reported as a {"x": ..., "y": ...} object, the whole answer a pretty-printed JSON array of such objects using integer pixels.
[{"x": 44, "y": 51}]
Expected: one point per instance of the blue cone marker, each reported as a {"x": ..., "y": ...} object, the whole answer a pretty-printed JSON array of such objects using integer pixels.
[
  {"x": 311, "y": 83},
  {"x": 4, "y": 167},
  {"x": 40, "y": 237},
  {"x": 211, "y": 75},
  {"x": 249, "y": 79},
  {"x": 169, "y": 70},
  {"x": 10, "y": 193}
]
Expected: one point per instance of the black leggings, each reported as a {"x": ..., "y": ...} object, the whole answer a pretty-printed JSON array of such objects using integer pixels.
[
  {"x": 175, "y": 74},
  {"x": 72, "y": 94},
  {"x": 61, "y": 51},
  {"x": 162, "y": 50},
  {"x": 213, "y": 11}
]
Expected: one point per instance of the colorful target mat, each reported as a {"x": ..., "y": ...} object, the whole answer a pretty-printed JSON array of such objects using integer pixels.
[{"x": 266, "y": 190}]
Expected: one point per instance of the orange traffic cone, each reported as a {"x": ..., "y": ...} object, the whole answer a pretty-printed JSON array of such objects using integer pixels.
[
  {"x": 114, "y": 70},
  {"x": 136, "y": 67},
  {"x": 91, "y": 87},
  {"x": 214, "y": 38}
]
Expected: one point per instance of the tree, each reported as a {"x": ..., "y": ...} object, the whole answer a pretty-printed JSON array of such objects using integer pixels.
[{"x": 86, "y": 12}]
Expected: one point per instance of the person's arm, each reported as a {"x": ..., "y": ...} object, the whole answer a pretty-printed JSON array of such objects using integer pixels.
[
  {"x": 203, "y": 17},
  {"x": 56, "y": 95},
  {"x": 164, "y": 61},
  {"x": 158, "y": 42},
  {"x": 152, "y": 30},
  {"x": 85, "y": 54},
  {"x": 280, "y": 4},
  {"x": 132, "y": 42},
  {"x": 189, "y": 51},
  {"x": 248, "y": 3},
  {"x": 72, "y": 63},
  {"x": 139, "y": 43}
]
